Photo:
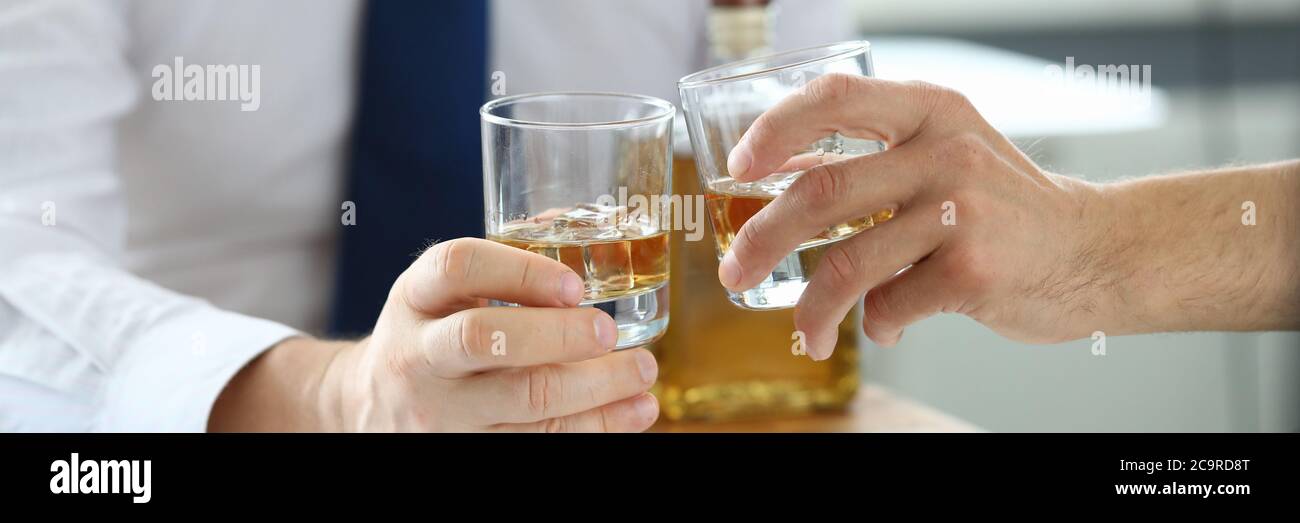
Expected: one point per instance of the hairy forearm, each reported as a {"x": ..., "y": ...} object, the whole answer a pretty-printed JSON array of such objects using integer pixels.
[
  {"x": 279, "y": 391},
  {"x": 1215, "y": 250}
]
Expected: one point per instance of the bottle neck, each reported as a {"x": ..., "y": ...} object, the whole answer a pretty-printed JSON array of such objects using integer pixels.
[{"x": 739, "y": 29}]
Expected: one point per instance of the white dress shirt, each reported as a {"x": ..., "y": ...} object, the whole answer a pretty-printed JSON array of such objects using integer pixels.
[{"x": 149, "y": 249}]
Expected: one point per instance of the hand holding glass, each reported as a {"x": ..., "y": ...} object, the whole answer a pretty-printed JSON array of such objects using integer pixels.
[
  {"x": 558, "y": 172},
  {"x": 720, "y": 104}
]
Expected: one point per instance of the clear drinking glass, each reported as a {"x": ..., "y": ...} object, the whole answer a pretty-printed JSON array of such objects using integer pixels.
[
  {"x": 720, "y": 103},
  {"x": 583, "y": 178}
]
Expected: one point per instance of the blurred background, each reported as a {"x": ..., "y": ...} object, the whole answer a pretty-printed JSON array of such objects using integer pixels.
[{"x": 1227, "y": 80}]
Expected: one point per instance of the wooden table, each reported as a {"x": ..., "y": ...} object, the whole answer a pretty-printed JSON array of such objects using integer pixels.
[{"x": 874, "y": 410}]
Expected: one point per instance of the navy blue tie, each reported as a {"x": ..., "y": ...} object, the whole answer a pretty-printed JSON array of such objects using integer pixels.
[{"x": 415, "y": 172}]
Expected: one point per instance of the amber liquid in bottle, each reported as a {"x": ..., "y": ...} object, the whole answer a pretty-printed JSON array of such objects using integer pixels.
[{"x": 719, "y": 362}]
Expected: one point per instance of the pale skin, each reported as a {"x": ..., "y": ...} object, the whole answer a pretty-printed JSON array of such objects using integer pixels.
[
  {"x": 1035, "y": 256},
  {"x": 430, "y": 364}
]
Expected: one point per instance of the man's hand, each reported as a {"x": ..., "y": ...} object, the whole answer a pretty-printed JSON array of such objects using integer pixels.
[
  {"x": 983, "y": 231},
  {"x": 438, "y": 360}
]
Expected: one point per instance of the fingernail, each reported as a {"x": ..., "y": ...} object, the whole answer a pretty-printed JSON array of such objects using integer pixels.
[
  {"x": 729, "y": 271},
  {"x": 647, "y": 407},
  {"x": 646, "y": 365},
  {"x": 570, "y": 288},
  {"x": 606, "y": 331},
  {"x": 740, "y": 159}
]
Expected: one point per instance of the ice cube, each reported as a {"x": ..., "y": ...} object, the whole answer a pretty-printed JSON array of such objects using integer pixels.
[
  {"x": 638, "y": 224},
  {"x": 588, "y": 221},
  {"x": 588, "y": 216},
  {"x": 548, "y": 251},
  {"x": 608, "y": 266}
]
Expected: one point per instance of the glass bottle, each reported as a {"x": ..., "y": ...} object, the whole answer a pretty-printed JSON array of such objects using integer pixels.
[{"x": 719, "y": 362}]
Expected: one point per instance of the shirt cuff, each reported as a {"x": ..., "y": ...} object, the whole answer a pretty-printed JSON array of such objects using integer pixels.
[{"x": 170, "y": 381}]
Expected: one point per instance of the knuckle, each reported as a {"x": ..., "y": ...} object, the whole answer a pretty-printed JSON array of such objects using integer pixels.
[
  {"x": 470, "y": 333},
  {"x": 453, "y": 259},
  {"x": 602, "y": 421},
  {"x": 876, "y": 309},
  {"x": 568, "y": 324},
  {"x": 966, "y": 152},
  {"x": 541, "y": 390},
  {"x": 957, "y": 100},
  {"x": 843, "y": 266},
  {"x": 750, "y": 237},
  {"x": 938, "y": 96},
  {"x": 528, "y": 273},
  {"x": 968, "y": 269},
  {"x": 818, "y": 187},
  {"x": 830, "y": 88},
  {"x": 920, "y": 85},
  {"x": 555, "y": 426}
]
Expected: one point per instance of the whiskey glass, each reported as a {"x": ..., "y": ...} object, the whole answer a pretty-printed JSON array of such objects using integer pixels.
[
  {"x": 720, "y": 104},
  {"x": 584, "y": 178}
]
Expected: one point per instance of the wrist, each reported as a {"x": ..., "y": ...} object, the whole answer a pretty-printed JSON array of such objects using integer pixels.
[
  {"x": 285, "y": 389},
  {"x": 327, "y": 397},
  {"x": 1155, "y": 254},
  {"x": 1115, "y": 254}
]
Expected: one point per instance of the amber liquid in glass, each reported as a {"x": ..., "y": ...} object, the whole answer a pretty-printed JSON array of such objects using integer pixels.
[
  {"x": 731, "y": 204},
  {"x": 616, "y": 256}
]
